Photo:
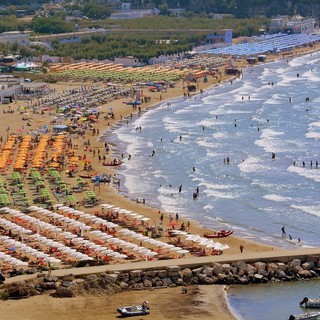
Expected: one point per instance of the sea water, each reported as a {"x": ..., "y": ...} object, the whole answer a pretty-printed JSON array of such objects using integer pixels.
[
  {"x": 222, "y": 142},
  {"x": 272, "y": 301},
  {"x": 264, "y": 112}
]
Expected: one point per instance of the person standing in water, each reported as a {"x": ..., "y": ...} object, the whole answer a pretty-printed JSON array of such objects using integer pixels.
[{"x": 283, "y": 232}]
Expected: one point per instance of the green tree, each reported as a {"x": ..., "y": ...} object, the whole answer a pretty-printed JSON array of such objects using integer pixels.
[
  {"x": 95, "y": 11},
  {"x": 50, "y": 25}
]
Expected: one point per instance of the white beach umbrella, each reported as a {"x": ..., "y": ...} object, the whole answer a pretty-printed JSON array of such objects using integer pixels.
[
  {"x": 106, "y": 236},
  {"x": 107, "y": 251},
  {"x": 32, "y": 208},
  {"x": 56, "y": 206},
  {"x": 107, "y": 205},
  {"x": 96, "y": 232},
  {"x": 175, "y": 249},
  {"x": 183, "y": 251}
]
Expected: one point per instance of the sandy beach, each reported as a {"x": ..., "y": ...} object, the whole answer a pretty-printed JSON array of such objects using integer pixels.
[{"x": 201, "y": 302}]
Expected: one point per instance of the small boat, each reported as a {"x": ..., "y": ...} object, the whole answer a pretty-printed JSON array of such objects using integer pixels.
[
  {"x": 310, "y": 303},
  {"x": 219, "y": 234},
  {"x": 138, "y": 310},
  {"x": 85, "y": 176},
  {"x": 112, "y": 164},
  {"x": 305, "y": 316}
]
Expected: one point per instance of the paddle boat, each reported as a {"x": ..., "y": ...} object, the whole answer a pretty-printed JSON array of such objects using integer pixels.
[
  {"x": 305, "y": 316},
  {"x": 219, "y": 234},
  {"x": 310, "y": 303},
  {"x": 137, "y": 310}
]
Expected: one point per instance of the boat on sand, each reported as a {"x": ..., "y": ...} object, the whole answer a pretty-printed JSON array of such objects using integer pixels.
[
  {"x": 218, "y": 234},
  {"x": 136, "y": 310}
]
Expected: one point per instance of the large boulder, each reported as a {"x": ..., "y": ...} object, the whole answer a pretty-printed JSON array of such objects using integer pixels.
[
  {"x": 135, "y": 275},
  {"x": 280, "y": 274},
  {"x": 207, "y": 271},
  {"x": 272, "y": 266},
  {"x": 308, "y": 265},
  {"x": 50, "y": 278},
  {"x": 216, "y": 268},
  {"x": 305, "y": 274},
  {"x": 162, "y": 273},
  {"x": 112, "y": 277},
  {"x": 226, "y": 268},
  {"x": 186, "y": 273},
  {"x": 173, "y": 271},
  {"x": 197, "y": 270},
  {"x": 241, "y": 265},
  {"x": 123, "y": 285},
  {"x": 208, "y": 280},
  {"x": 260, "y": 266},
  {"x": 282, "y": 266},
  {"x": 147, "y": 283},
  {"x": 250, "y": 269},
  {"x": 167, "y": 281},
  {"x": 149, "y": 273},
  {"x": 296, "y": 262}
]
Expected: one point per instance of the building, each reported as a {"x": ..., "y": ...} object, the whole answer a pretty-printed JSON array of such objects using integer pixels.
[
  {"x": 12, "y": 37},
  {"x": 219, "y": 37},
  {"x": 9, "y": 88},
  {"x": 134, "y": 14},
  {"x": 296, "y": 24},
  {"x": 125, "y": 6},
  {"x": 128, "y": 61},
  {"x": 177, "y": 12}
]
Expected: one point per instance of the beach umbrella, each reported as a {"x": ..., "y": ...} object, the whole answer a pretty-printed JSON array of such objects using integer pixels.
[
  {"x": 175, "y": 249},
  {"x": 183, "y": 251},
  {"x": 106, "y": 236}
]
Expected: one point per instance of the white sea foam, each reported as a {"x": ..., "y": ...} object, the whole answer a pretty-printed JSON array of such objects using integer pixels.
[
  {"x": 313, "y": 135},
  {"x": 314, "y": 210},
  {"x": 220, "y": 195},
  {"x": 252, "y": 164},
  {"x": 314, "y": 124},
  {"x": 277, "y": 198},
  {"x": 207, "y": 144},
  {"x": 311, "y": 174}
]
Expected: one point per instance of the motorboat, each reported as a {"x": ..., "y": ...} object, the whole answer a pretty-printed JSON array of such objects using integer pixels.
[
  {"x": 136, "y": 310},
  {"x": 310, "y": 303},
  {"x": 305, "y": 316}
]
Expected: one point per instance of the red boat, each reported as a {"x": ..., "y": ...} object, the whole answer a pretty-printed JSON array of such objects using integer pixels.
[{"x": 219, "y": 234}]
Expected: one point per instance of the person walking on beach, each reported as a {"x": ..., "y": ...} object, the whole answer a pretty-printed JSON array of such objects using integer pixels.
[
  {"x": 283, "y": 232},
  {"x": 241, "y": 248}
]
